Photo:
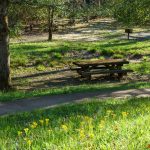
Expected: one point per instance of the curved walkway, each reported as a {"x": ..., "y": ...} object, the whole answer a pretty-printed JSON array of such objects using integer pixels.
[{"x": 51, "y": 101}]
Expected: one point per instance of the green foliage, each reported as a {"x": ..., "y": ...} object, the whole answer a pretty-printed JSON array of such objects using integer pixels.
[{"x": 132, "y": 12}]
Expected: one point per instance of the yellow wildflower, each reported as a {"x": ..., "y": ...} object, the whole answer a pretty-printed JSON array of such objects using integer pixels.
[
  {"x": 124, "y": 114},
  {"x": 47, "y": 121},
  {"x": 64, "y": 127},
  {"x": 91, "y": 135},
  {"x": 19, "y": 133},
  {"x": 26, "y": 130},
  {"x": 82, "y": 134},
  {"x": 35, "y": 123},
  {"x": 33, "y": 126},
  {"x": 42, "y": 122},
  {"x": 29, "y": 142}
]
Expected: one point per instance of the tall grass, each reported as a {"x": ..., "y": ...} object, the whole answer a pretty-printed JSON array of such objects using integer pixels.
[{"x": 107, "y": 125}]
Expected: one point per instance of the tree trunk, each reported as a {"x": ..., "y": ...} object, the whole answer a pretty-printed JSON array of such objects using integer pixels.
[
  {"x": 4, "y": 47},
  {"x": 50, "y": 23}
]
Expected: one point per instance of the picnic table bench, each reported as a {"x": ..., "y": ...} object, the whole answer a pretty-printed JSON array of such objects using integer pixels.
[{"x": 109, "y": 66}]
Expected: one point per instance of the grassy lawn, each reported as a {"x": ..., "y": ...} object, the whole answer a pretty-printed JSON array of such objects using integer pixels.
[
  {"x": 107, "y": 125},
  {"x": 51, "y": 54}
]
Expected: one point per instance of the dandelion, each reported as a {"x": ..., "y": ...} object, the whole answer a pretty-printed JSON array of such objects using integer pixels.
[
  {"x": 35, "y": 123},
  {"x": 81, "y": 134},
  {"x": 26, "y": 130},
  {"x": 91, "y": 135},
  {"x": 47, "y": 121},
  {"x": 20, "y": 133},
  {"x": 33, "y": 126},
  {"x": 42, "y": 122},
  {"x": 125, "y": 114},
  {"x": 29, "y": 142},
  {"x": 64, "y": 127}
]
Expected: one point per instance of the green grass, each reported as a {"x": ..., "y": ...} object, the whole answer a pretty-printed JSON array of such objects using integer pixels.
[
  {"x": 15, "y": 95},
  {"x": 45, "y": 52},
  {"x": 143, "y": 68},
  {"x": 106, "y": 125}
]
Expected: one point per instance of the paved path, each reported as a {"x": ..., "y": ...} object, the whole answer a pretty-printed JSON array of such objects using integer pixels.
[{"x": 51, "y": 101}]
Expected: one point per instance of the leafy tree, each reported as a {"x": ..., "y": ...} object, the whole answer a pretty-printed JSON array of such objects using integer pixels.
[
  {"x": 5, "y": 80},
  {"x": 132, "y": 12}
]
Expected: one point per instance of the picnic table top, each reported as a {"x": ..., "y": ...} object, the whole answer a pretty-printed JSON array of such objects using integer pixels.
[{"x": 101, "y": 62}]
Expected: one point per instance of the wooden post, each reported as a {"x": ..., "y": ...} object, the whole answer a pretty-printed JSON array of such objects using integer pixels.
[
  {"x": 50, "y": 23},
  {"x": 128, "y": 31},
  {"x": 4, "y": 47}
]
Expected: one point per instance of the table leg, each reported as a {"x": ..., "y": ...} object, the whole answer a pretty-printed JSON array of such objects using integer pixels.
[
  {"x": 120, "y": 75},
  {"x": 84, "y": 70}
]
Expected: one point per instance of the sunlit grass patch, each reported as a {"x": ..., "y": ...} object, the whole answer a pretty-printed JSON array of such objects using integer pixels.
[
  {"x": 31, "y": 52},
  {"x": 112, "y": 124}
]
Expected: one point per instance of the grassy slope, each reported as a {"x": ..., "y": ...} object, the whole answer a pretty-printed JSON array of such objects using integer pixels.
[{"x": 104, "y": 125}]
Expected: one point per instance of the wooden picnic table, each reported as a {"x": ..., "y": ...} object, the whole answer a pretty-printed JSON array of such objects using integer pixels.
[{"x": 87, "y": 68}]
